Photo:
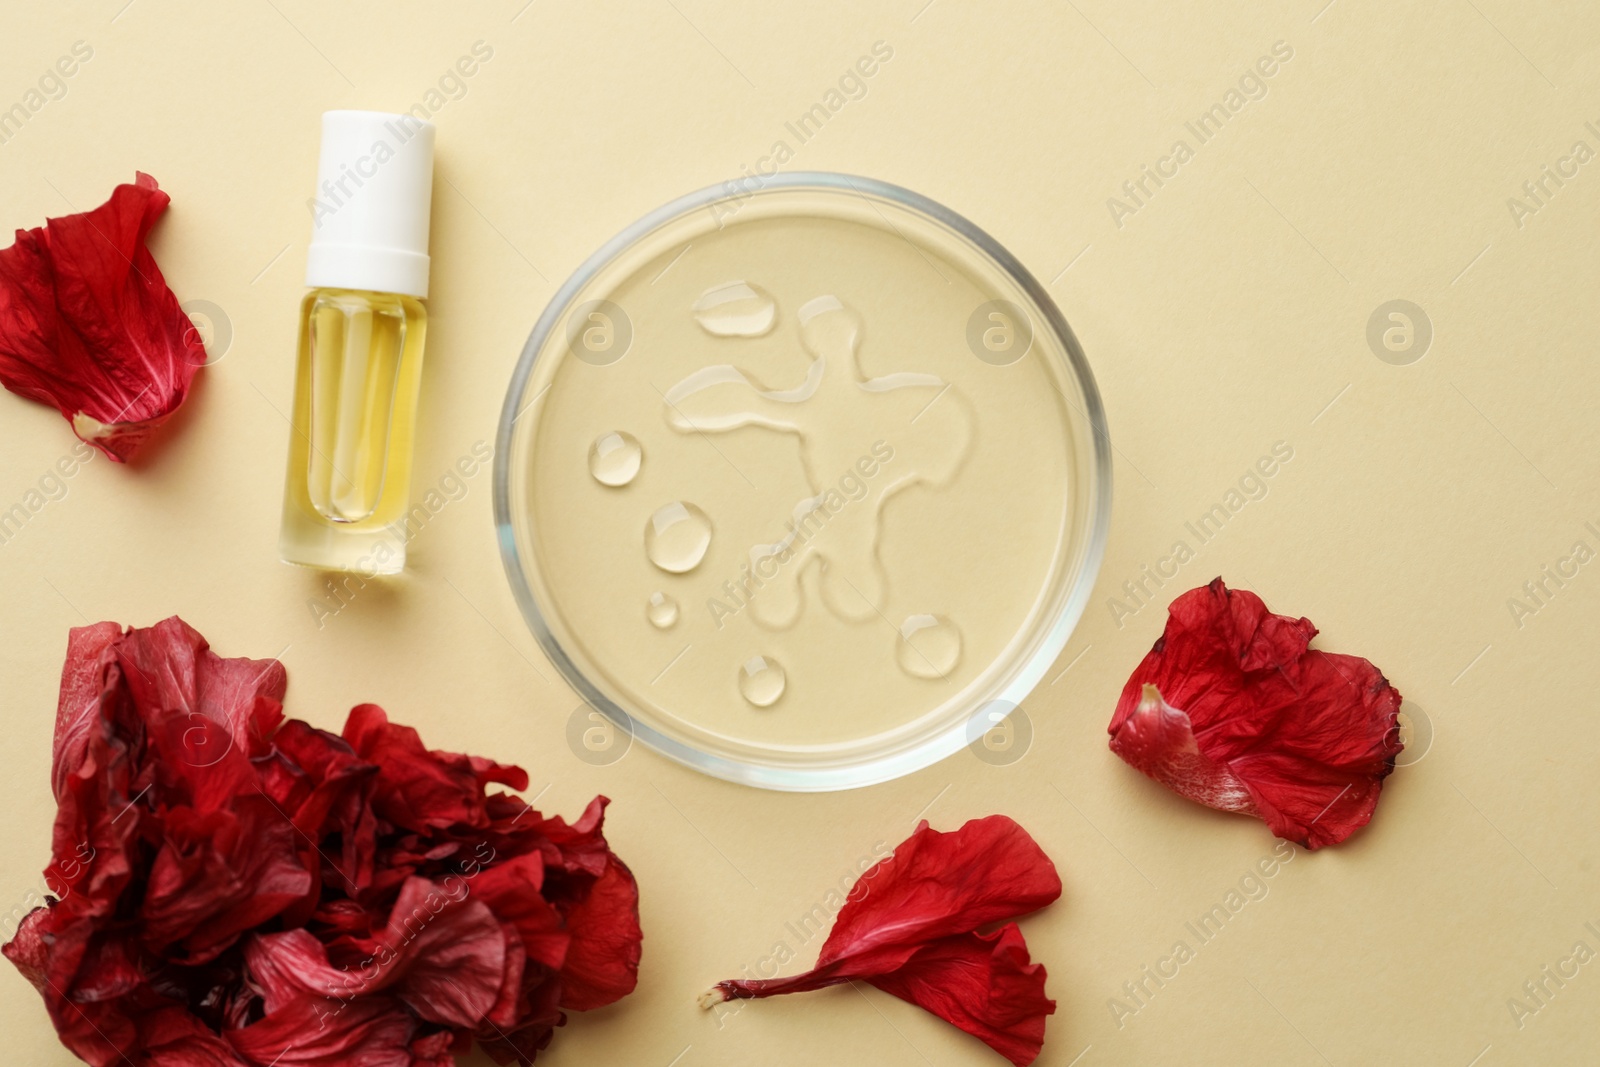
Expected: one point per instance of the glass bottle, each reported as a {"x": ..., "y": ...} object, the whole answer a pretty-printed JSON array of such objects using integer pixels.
[{"x": 362, "y": 327}]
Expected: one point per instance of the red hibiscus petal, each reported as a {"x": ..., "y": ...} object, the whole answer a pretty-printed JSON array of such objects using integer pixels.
[
  {"x": 89, "y": 326},
  {"x": 938, "y": 884},
  {"x": 1159, "y": 740},
  {"x": 982, "y": 983},
  {"x": 292, "y": 965},
  {"x": 85, "y": 685},
  {"x": 602, "y": 963},
  {"x": 926, "y": 901},
  {"x": 324, "y": 1032},
  {"x": 451, "y": 952},
  {"x": 1248, "y": 718}
]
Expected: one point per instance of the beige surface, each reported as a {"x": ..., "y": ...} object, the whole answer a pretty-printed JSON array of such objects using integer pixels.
[{"x": 1225, "y": 314}]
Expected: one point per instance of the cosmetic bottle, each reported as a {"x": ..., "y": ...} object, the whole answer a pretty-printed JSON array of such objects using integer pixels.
[{"x": 362, "y": 325}]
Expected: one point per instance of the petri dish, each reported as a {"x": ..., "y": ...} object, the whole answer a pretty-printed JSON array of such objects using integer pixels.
[{"x": 802, "y": 482}]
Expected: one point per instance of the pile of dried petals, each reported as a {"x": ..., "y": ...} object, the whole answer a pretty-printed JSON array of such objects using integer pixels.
[
  {"x": 911, "y": 926},
  {"x": 1233, "y": 710},
  {"x": 237, "y": 890},
  {"x": 88, "y": 325}
]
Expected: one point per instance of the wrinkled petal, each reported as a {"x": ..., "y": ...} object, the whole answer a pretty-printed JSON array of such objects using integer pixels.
[
  {"x": 89, "y": 326},
  {"x": 450, "y": 953},
  {"x": 229, "y": 703},
  {"x": 602, "y": 961},
  {"x": 1159, "y": 740},
  {"x": 322, "y": 1032},
  {"x": 1232, "y": 709},
  {"x": 983, "y": 984},
  {"x": 910, "y": 925},
  {"x": 88, "y": 678}
]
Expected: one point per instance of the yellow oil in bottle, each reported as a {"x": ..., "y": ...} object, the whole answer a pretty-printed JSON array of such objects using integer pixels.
[{"x": 356, "y": 386}]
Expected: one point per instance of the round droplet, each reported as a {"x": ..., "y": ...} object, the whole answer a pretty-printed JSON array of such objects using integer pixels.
[
  {"x": 735, "y": 309},
  {"x": 761, "y": 681},
  {"x": 614, "y": 458},
  {"x": 677, "y": 536},
  {"x": 662, "y": 611},
  {"x": 930, "y": 646}
]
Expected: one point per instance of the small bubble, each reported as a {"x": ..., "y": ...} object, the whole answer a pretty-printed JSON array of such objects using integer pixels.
[
  {"x": 677, "y": 536},
  {"x": 930, "y": 646},
  {"x": 761, "y": 681},
  {"x": 614, "y": 458},
  {"x": 735, "y": 309},
  {"x": 662, "y": 611}
]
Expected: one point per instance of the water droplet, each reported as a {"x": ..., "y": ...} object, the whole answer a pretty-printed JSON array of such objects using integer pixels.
[
  {"x": 930, "y": 646},
  {"x": 662, "y": 612},
  {"x": 735, "y": 309},
  {"x": 614, "y": 458},
  {"x": 677, "y": 536},
  {"x": 761, "y": 681}
]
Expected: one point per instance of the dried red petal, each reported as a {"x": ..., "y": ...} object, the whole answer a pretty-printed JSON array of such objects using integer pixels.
[
  {"x": 983, "y": 983},
  {"x": 910, "y": 927},
  {"x": 1232, "y": 709},
  {"x": 316, "y": 1031},
  {"x": 88, "y": 325},
  {"x": 602, "y": 961}
]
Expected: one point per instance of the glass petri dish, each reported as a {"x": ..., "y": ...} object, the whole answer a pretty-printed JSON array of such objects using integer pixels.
[{"x": 803, "y": 483}]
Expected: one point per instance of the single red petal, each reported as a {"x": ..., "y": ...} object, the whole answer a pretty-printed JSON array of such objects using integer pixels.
[
  {"x": 451, "y": 952},
  {"x": 1250, "y": 719},
  {"x": 511, "y": 1003},
  {"x": 937, "y": 884},
  {"x": 982, "y": 983},
  {"x": 89, "y": 326},
  {"x": 324, "y": 1032},
  {"x": 442, "y": 954},
  {"x": 88, "y": 679},
  {"x": 602, "y": 962},
  {"x": 930, "y": 897},
  {"x": 291, "y": 965}
]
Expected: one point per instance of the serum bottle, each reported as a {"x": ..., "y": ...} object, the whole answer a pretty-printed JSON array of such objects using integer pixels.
[{"x": 362, "y": 326}]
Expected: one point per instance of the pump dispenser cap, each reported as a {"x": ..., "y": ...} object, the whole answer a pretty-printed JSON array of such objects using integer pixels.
[{"x": 370, "y": 211}]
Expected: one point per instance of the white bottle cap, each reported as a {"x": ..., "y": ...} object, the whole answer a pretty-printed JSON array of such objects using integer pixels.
[{"x": 370, "y": 211}]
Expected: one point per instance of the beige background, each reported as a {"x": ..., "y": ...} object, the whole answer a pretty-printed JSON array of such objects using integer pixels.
[{"x": 1228, "y": 313}]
